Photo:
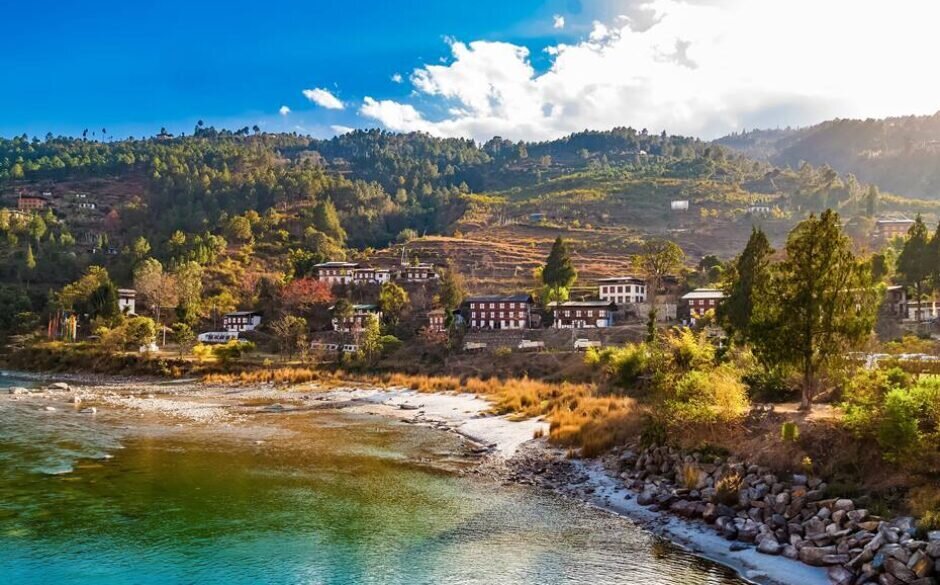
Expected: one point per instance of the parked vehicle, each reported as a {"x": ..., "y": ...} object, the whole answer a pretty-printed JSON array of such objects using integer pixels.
[
  {"x": 583, "y": 344},
  {"x": 217, "y": 336},
  {"x": 474, "y": 346},
  {"x": 527, "y": 344}
]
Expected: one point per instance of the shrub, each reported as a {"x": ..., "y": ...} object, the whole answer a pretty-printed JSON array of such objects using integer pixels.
[
  {"x": 898, "y": 432},
  {"x": 789, "y": 432},
  {"x": 502, "y": 352},
  {"x": 707, "y": 397},
  {"x": 690, "y": 476},
  {"x": 202, "y": 351},
  {"x": 689, "y": 350},
  {"x": 232, "y": 351},
  {"x": 768, "y": 385},
  {"x": 727, "y": 490},
  {"x": 389, "y": 344}
]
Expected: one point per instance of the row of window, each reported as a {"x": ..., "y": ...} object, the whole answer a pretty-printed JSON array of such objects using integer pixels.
[
  {"x": 600, "y": 313},
  {"x": 502, "y": 314},
  {"x": 492, "y": 324},
  {"x": 502, "y": 305},
  {"x": 637, "y": 288}
]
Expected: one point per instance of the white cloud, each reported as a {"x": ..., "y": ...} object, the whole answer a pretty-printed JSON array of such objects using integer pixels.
[
  {"x": 323, "y": 98},
  {"x": 693, "y": 68},
  {"x": 284, "y": 110},
  {"x": 397, "y": 78},
  {"x": 337, "y": 129},
  {"x": 558, "y": 21}
]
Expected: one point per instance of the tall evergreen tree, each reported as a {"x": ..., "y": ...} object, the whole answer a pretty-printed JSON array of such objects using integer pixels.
[
  {"x": 914, "y": 263},
  {"x": 748, "y": 285},
  {"x": 821, "y": 302},
  {"x": 326, "y": 220},
  {"x": 559, "y": 272}
]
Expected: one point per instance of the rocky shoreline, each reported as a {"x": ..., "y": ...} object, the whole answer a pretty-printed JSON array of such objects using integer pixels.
[{"x": 772, "y": 529}]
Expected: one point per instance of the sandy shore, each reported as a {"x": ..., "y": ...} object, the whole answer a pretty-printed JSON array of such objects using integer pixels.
[{"x": 509, "y": 443}]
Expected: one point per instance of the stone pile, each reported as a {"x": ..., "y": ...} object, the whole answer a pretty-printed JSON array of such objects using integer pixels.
[{"x": 792, "y": 516}]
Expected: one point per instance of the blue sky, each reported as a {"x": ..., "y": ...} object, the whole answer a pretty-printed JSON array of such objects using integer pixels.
[
  {"x": 521, "y": 69},
  {"x": 132, "y": 67}
]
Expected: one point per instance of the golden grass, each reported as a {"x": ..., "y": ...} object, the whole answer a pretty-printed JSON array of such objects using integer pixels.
[{"x": 577, "y": 415}]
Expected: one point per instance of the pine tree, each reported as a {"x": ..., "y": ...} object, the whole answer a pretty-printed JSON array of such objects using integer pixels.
[
  {"x": 559, "y": 272},
  {"x": 747, "y": 286},
  {"x": 821, "y": 302},
  {"x": 326, "y": 220},
  {"x": 914, "y": 263}
]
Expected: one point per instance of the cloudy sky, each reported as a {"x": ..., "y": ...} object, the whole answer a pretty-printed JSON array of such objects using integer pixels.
[{"x": 528, "y": 70}]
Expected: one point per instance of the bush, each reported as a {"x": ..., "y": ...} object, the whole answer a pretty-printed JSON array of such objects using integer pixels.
[
  {"x": 232, "y": 351},
  {"x": 789, "y": 432},
  {"x": 727, "y": 490},
  {"x": 624, "y": 365},
  {"x": 711, "y": 396},
  {"x": 389, "y": 344},
  {"x": 769, "y": 385}
]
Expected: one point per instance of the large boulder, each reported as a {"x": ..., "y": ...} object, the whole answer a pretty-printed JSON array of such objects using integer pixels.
[{"x": 769, "y": 546}]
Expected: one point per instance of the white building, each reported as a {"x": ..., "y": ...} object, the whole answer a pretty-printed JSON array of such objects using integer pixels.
[
  {"x": 358, "y": 320},
  {"x": 417, "y": 272},
  {"x": 127, "y": 301},
  {"x": 336, "y": 272},
  {"x": 680, "y": 205},
  {"x": 622, "y": 290},
  {"x": 371, "y": 275},
  {"x": 241, "y": 321}
]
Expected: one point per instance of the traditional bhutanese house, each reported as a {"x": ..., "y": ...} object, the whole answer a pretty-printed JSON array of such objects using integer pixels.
[
  {"x": 702, "y": 300},
  {"x": 500, "y": 312},
  {"x": 358, "y": 320},
  {"x": 417, "y": 272},
  {"x": 369, "y": 275},
  {"x": 888, "y": 229},
  {"x": 241, "y": 321},
  {"x": 336, "y": 272},
  {"x": 31, "y": 202},
  {"x": 582, "y": 314},
  {"x": 622, "y": 289},
  {"x": 925, "y": 310},
  {"x": 895, "y": 301},
  {"x": 127, "y": 301},
  {"x": 437, "y": 319}
]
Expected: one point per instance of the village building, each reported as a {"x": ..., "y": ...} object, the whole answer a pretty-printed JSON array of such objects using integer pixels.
[
  {"x": 437, "y": 320},
  {"x": 31, "y": 202},
  {"x": 127, "y": 301},
  {"x": 701, "y": 300},
  {"x": 336, "y": 272},
  {"x": 895, "y": 301},
  {"x": 241, "y": 321},
  {"x": 622, "y": 290},
  {"x": 86, "y": 205},
  {"x": 358, "y": 320},
  {"x": 888, "y": 229},
  {"x": 582, "y": 314},
  {"x": 679, "y": 205},
  {"x": 371, "y": 275},
  {"x": 500, "y": 312},
  {"x": 417, "y": 272}
]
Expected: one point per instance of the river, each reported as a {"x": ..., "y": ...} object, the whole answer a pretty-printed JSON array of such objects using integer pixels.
[{"x": 318, "y": 498}]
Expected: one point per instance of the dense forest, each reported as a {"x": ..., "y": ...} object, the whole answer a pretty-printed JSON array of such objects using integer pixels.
[{"x": 901, "y": 155}]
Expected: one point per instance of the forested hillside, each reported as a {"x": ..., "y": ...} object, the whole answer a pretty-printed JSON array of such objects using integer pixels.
[
  {"x": 901, "y": 155},
  {"x": 248, "y": 205}
]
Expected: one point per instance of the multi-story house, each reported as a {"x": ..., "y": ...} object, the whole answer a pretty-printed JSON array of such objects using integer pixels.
[
  {"x": 888, "y": 229},
  {"x": 437, "y": 320},
  {"x": 336, "y": 272},
  {"x": 127, "y": 301},
  {"x": 417, "y": 272},
  {"x": 370, "y": 275},
  {"x": 500, "y": 312},
  {"x": 31, "y": 202},
  {"x": 582, "y": 314},
  {"x": 701, "y": 300},
  {"x": 241, "y": 321},
  {"x": 622, "y": 290},
  {"x": 357, "y": 320}
]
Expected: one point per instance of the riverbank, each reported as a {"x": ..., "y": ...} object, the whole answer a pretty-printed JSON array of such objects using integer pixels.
[{"x": 506, "y": 445}]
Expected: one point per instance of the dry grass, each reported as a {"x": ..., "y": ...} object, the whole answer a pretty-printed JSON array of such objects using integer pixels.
[{"x": 577, "y": 415}]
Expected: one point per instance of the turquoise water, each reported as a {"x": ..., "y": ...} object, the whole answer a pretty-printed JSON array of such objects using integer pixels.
[{"x": 324, "y": 498}]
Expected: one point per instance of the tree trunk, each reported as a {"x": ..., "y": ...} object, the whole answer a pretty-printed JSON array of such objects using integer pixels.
[{"x": 809, "y": 387}]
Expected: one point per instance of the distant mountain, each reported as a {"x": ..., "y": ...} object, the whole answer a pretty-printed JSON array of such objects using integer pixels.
[{"x": 900, "y": 155}]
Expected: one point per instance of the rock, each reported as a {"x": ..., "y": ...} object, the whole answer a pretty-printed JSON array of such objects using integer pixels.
[
  {"x": 90, "y": 410},
  {"x": 899, "y": 570},
  {"x": 646, "y": 498},
  {"x": 815, "y": 555},
  {"x": 748, "y": 532},
  {"x": 60, "y": 386},
  {"x": 933, "y": 536},
  {"x": 738, "y": 546},
  {"x": 49, "y": 409},
  {"x": 769, "y": 546},
  {"x": 933, "y": 549},
  {"x": 840, "y": 576},
  {"x": 18, "y": 390},
  {"x": 790, "y": 552},
  {"x": 921, "y": 564},
  {"x": 844, "y": 504},
  {"x": 799, "y": 479},
  {"x": 75, "y": 399},
  {"x": 408, "y": 407},
  {"x": 710, "y": 513}
]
